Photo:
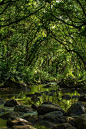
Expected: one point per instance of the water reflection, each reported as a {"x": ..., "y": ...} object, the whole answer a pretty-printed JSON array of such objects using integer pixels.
[{"x": 41, "y": 93}]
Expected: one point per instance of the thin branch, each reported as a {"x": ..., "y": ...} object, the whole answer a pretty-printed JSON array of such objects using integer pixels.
[
  {"x": 2, "y": 2},
  {"x": 5, "y": 8},
  {"x": 78, "y": 56},
  {"x": 77, "y": 27},
  {"x": 81, "y": 7},
  {"x": 68, "y": 50},
  {"x": 68, "y": 14},
  {"x": 16, "y": 21},
  {"x": 54, "y": 36},
  {"x": 5, "y": 2}
]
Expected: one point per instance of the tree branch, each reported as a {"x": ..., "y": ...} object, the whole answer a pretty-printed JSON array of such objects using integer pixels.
[
  {"x": 81, "y": 7},
  {"x": 2, "y": 2},
  {"x": 16, "y": 21},
  {"x": 5, "y": 8},
  {"x": 77, "y": 27},
  {"x": 68, "y": 50}
]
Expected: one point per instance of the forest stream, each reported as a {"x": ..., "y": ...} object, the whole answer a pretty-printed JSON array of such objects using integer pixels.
[{"x": 47, "y": 93}]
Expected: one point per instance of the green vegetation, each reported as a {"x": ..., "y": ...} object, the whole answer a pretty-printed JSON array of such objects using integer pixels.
[{"x": 42, "y": 40}]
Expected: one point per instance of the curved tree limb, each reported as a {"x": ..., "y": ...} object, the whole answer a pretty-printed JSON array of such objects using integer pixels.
[{"x": 18, "y": 20}]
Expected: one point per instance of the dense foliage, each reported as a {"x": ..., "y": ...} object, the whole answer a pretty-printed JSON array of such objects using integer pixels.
[{"x": 42, "y": 40}]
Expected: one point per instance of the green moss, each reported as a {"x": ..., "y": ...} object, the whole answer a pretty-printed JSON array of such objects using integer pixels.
[
  {"x": 2, "y": 123},
  {"x": 40, "y": 127}
]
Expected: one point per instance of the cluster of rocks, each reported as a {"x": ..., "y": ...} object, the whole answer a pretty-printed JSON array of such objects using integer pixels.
[
  {"x": 70, "y": 82},
  {"x": 48, "y": 114},
  {"x": 9, "y": 83}
]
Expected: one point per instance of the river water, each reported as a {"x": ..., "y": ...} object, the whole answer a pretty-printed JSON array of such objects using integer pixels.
[{"x": 47, "y": 94}]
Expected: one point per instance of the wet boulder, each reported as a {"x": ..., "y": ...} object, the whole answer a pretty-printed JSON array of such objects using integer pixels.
[
  {"x": 13, "y": 84},
  {"x": 71, "y": 120},
  {"x": 64, "y": 126},
  {"x": 62, "y": 119},
  {"x": 2, "y": 110},
  {"x": 23, "y": 127},
  {"x": 75, "y": 97},
  {"x": 33, "y": 119},
  {"x": 4, "y": 116},
  {"x": 34, "y": 106},
  {"x": 82, "y": 98},
  {"x": 66, "y": 97},
  {"x": 11, "y": 103},
  {"x": 35, "y": 98},
  {"x": 81, "y": 122},
  {"x": 13, "y": 114},
  {"x": 8, "y": 115},
  {"x": 10, "y": 83},
  {"x": 47, "y": 102},
  {"x": 76, "y": 109},
  {"x": 54, "y": 113},
  {"x": 67, "y": 83},
  {"x": 38, "y": 94},
  {"x": 46, "y": 124},
  {"x": 29, "y": 95},
  {"x": 46, "y": 108},
  {"x": 22, "y": 108},
  {"x": 2, "y": 101},
  {"x": 17, "y": 121},
  {"x": 53, "y": 116}
]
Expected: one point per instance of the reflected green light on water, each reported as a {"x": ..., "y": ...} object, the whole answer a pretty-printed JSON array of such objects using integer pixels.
[
  {"x": 3, "y": 124},
  {"x": 65, "y": 104},
  {"x": 40, "y": 127},
  {"x": 56, "y": 98}
]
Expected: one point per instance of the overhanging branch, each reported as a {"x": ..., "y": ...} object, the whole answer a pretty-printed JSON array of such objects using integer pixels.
[
  {"x": 77, "y": 27},
  {"x": 69, "y": 50},
  {"x": 16, "y": 21}
]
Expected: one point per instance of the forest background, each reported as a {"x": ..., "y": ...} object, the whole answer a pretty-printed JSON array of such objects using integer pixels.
[{"x": 42, "y": 41}]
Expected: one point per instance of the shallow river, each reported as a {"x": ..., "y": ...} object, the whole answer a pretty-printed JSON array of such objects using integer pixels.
[{"x": 47, "y": 94}]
